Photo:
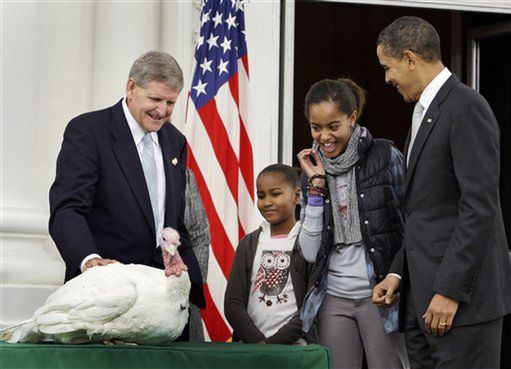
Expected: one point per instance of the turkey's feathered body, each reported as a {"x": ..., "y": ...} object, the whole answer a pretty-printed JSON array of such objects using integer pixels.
[{"x": 131, "y": 303}]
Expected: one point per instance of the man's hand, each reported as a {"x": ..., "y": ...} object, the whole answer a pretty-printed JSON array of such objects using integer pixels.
[
  {"x": 384, "y": 293},
  {"x": 97, "y": 262},
  {"x": 440, "y": 314}
]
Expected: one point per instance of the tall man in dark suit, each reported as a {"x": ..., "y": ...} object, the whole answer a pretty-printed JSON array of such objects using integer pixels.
[
  {"x": 121, "y": 178},
  {"x": 454, "y": 270}
]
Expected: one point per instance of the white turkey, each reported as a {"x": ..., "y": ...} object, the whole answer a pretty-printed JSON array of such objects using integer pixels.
[{"x": 118, "y": 302}]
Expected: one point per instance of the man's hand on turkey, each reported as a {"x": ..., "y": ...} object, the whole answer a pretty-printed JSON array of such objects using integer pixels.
[{"x": 97, "y": 262}]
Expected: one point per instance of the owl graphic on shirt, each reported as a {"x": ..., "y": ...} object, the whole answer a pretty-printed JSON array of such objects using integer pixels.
[{"x": 272, "y": 276}]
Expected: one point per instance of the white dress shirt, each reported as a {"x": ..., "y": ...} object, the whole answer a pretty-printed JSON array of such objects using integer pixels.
[{"x": 432, "y": 89}]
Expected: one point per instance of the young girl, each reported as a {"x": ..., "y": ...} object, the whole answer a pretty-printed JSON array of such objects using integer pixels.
[
  {"x": 352, "y": 227},
  {"x": 269, "y": 277}
]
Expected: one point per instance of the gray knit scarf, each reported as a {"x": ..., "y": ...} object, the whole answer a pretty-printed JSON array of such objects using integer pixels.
[{"x": 346, "y": 232}]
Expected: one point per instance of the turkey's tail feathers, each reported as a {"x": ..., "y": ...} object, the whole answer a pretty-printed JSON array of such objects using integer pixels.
[{"x": 25, "y": 331}]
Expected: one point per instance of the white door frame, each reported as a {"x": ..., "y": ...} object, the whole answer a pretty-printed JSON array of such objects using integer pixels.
[{"x": 474, "y": 37}]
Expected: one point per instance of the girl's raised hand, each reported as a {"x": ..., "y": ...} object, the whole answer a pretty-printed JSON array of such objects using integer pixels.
[{"x": 306, "y": 163}]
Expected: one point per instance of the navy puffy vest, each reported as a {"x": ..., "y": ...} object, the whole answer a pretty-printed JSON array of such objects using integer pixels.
[{"x": 381, "y": 221}]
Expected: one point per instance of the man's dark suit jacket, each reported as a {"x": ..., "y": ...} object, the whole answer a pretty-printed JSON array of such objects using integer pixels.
[
  {"x": 454, "y": 241},
  {"x": 99, "y": 201}
]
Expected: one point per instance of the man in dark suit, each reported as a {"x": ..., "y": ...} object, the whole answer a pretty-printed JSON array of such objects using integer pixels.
[
  {"x": 454, "y": 270},
  {"x": 106, "y": 205}
]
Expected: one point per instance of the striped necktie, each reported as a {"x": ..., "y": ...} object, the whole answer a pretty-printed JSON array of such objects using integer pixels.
[{"x": 151, "y": 177}]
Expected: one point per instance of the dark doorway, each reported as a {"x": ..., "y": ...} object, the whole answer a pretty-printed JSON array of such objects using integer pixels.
[
  {"x": 495, "y": 85},
  {"x": 492, "y": 75}
]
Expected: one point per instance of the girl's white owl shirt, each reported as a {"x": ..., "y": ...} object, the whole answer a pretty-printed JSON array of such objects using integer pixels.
[{"x": 272, "y": 301}]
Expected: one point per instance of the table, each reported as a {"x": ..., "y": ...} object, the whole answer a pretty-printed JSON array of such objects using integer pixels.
[{"x": 178, "y": 355}]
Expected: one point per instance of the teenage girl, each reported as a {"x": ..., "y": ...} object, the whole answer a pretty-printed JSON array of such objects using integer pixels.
[
  {"x": 269, "y": 277},
  {"x": 352, "y": 228}
]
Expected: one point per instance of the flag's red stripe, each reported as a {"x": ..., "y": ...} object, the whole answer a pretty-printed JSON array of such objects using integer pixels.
[
  {"x": 215, "y": 325},
  {"x": 220, "y": 142},
  {"x": 245, "y": 159},
  {"x": 241, "y": 231},
  {"x": 244, "y": 60},
  {"x": 233, "y": 86},
  {"x": 220, "y": 243}
]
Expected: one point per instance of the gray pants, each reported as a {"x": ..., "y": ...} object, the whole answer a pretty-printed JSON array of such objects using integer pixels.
[{"x": 350, "y": 327}]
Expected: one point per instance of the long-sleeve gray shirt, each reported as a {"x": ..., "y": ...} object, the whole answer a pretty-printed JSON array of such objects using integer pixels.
[{"x": 347, "y": 270}]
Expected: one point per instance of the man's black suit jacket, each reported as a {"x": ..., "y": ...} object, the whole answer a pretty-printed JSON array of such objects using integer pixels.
[
  {"x": 99, "y": 202},
  {"x": 454, "y": 241}
]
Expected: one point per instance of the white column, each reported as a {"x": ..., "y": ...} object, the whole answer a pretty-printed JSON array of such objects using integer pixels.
[
  {"x": 46, "y": 73},
  {"x": 288, "y": 56},
  {"x": 179, "y": 24},
  {"x": 123, "y": 31},
  {"x": 262, "y": 20}
]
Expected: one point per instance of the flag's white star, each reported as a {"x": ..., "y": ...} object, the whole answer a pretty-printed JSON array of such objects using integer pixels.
[
  {"x": 205, "y": 18},
  {"x": 240, "y": 5},
  {"x": 212, "y": 41},
  {"x": 200, "y": 41},
  {"x": 222, "y": 67},
  {"x": 231, "y": 21},
  {"x": 200, "y": 88},
  {"x": 206, "y": 65},
  {"x": 217, "y": 19},
  {"x": 233, "y": 3},
  {"x": 226, "y": 44}
]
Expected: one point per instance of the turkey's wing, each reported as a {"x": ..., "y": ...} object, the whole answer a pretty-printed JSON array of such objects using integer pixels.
[{"x": 93, "y": 298}]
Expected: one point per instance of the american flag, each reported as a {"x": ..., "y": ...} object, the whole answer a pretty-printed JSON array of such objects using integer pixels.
[{"x": 220, "y": 151}]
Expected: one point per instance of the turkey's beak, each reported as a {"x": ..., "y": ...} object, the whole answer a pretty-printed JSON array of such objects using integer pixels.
[{"x": 170, "y": 248}]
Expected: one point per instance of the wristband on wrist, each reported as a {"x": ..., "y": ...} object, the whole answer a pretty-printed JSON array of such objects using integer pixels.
[
  {"x": 317, "y": 191},
  {"x": 320, "y": 176}
]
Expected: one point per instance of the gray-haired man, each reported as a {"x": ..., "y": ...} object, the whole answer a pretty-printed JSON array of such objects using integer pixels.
[{"x": 106, "y": 205}]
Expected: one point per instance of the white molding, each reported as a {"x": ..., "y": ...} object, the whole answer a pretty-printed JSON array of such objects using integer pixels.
[
  {"x": 19, "y": 302},
  {"x": 490, "y": 6},
  {"x": 26, "y": 221},
  {"x": 288, "y": 54}
]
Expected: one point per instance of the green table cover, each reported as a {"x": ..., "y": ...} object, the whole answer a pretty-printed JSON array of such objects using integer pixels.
[{"x": 177, "y": 355}]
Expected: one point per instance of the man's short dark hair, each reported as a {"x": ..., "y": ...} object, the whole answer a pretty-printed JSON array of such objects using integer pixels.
[{"x": 411, "y": 33}]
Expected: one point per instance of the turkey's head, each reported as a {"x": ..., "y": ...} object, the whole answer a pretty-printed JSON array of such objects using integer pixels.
[
  {"x": 172, "y": 261},
  {"x": 170, "y": 240}
]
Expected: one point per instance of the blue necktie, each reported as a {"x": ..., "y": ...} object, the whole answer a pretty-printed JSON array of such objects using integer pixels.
[{"x": 151, "y": 177}]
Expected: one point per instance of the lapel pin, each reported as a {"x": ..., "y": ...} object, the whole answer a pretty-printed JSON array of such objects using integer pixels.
[
  {"x": 429, "y": 120},
  {"x": 174, "y": 162}
]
